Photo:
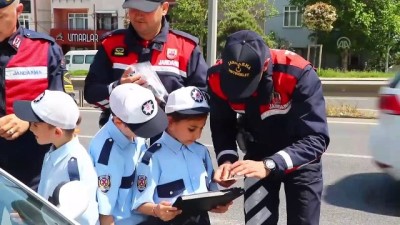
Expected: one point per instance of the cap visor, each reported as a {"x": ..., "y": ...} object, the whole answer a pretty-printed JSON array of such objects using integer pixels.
[
  {"x": 195, "y": 111},
  {"x": 152, "y": 127},
  {"x": 24, "y": 111},
  {"x": 142, "y": 5},
  {"x": 236, "y": 88}
]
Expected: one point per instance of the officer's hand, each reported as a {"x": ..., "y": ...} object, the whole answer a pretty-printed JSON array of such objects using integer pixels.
[
  {"x": 222, "y": 174},
  {"x": 16, "y": 218},
  {"x": 165, "y": 211},
  {"x": 249, "y": 168},
  {"x": 128, "y": 78},
  {"x": 221, "y": 208},
  {"x": 11, "y": 127}
]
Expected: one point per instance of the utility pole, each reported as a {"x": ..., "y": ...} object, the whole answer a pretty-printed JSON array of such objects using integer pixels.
[
  {"x": 94, "y": 26},
  {"x": 212, "y": 32}
]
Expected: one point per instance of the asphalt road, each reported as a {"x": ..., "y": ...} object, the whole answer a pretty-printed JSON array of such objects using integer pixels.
[{"x": 355, "y": 191}]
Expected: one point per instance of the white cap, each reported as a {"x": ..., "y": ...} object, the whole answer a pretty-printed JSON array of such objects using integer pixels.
[
  {"x": 137, "y": 107},
  {"x": 187, "y": 100},
  {"x": 53, "y": 107}
]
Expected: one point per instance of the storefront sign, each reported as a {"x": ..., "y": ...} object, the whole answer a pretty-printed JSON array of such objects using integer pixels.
[{"x": 74, "y": 37}]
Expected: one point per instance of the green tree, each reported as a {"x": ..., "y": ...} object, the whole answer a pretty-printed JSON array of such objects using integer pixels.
[
  {"x": 371, "y": 25},
  {"x": 192, "y": 16}
]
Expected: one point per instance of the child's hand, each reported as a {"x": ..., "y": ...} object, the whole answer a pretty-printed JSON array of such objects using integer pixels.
[
  {"x": 221, "y": 208},
  {"x": 165, "y": 211},
  {"x": 222, "y": 174},
  {"x": 16, "y": 218}
]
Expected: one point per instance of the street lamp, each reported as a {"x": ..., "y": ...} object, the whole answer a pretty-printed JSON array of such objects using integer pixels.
[{"x": 212, "y": 32}]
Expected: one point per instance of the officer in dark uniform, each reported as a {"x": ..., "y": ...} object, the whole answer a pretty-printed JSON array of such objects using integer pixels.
[
  {"x": 174, "y": 55},
  {"x": 30, "y": 62},
  {"x": 283, "y": 128}
]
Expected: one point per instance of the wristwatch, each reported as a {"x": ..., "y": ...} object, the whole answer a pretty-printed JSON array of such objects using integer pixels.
[{"x": 270, "y": 165}]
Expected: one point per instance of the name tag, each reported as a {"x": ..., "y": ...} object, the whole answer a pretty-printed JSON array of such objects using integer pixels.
[{"x": 23, "y": 73}]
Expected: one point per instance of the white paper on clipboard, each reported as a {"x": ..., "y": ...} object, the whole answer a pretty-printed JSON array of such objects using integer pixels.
[{"x": 153, "y": 82}]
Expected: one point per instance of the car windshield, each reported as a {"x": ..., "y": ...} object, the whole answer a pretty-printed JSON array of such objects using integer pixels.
[{"x": 20, "y": 205}]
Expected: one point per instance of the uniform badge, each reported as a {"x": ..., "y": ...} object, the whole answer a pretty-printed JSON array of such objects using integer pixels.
[
  {"x": 141, "y": 183},
  {"x": 196, "y": 95},
  {"x": 104, "y": 183},
  {"x": 172, "y": 53},
  {"x": 148, "y": 108},
  {"x": 118, "y": 52},
  {"x": 17, "y": 42}
]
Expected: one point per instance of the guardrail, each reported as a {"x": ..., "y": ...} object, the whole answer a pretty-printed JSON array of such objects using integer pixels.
[{"x": 363, "y": 87}]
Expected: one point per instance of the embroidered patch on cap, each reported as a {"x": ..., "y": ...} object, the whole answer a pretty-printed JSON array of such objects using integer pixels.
[
  {"x": 38, "y": 98},
  {"x": 148, "y": 108},
  {"x": 141, "y": 183},
  {"x": 104, "y": 183},
  {"x": 196, "y": 95}
]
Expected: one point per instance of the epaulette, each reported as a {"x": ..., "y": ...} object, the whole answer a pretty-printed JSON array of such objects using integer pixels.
[
  {"x": 35, "y": 35},
  {"x": 186, "y": 35},
  {"x": 149, "y": 153},
  {"x": 106, "y": 151},
  {"x": 73, "y": 169},
  {"x": 111, "y": 33}
]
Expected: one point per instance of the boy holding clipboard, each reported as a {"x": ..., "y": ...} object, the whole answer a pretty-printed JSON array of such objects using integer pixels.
[{"x": 176, "y": 165}]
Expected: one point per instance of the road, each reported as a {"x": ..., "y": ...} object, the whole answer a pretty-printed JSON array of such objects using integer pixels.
[{"x": 355, "y": 191}]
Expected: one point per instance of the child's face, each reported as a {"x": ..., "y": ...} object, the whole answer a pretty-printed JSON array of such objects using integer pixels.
[
  {"x": 43, "y": 132},
  {"x": 186, "y": 131}
]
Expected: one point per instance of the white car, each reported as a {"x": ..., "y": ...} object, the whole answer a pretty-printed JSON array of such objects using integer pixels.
[
  {"x": 20, "y": 203},
  {"x": 385, "y": 138}
]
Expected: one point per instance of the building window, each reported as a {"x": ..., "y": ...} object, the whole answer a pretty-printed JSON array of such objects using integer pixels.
[
  {"x": 106, "y": 21},
  {"x": 78, "y": 21},
  {"x": 292, "y": 17},
  {"x": 27, "y": 6},
  {"x": 24, "y": 20}
]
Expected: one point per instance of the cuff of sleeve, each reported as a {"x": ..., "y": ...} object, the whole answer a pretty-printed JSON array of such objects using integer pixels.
[
  {"x": 227, "y": 155},
  {"x": 112, "y": 86}
]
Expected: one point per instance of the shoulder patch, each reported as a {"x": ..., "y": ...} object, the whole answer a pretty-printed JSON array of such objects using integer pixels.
[
  {"x": 186, "y": 35},
  {"x": 149, "y": 153},
  {"x": 106, "y": 151},
  {"x": 104, "y": 183},
  {"x": 141, "y": 183},
  {"x": 111, "y": 33},
  {"x": 35, "y": 35}
]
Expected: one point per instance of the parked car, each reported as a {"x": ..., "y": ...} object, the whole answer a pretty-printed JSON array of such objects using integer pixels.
[
  {"x": 79, "y": 59},
  {"x": 18, "y": 202},
  {"x": 385, "y": 137}
]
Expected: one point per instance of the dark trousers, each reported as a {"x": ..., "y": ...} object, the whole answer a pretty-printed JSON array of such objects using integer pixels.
[
  {"x": 303, "y": 189},
  {"x": 23, "y": 158}
]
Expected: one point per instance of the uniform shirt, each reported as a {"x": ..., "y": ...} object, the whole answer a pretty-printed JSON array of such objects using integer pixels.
[
  {"x": 174, "y": 55},
  {"x": 173, "y": 170},
  {"x": 55, "y": 171},
  {"x": 25, "y": 164},
  {"x": 120, "y": 161}
]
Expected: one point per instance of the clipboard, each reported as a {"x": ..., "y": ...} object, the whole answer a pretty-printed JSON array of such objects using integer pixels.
[{"x": 207, "y": 200}]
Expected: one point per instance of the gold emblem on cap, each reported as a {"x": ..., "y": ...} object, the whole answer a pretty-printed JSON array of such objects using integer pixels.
[{"x": 239, "y": 68}]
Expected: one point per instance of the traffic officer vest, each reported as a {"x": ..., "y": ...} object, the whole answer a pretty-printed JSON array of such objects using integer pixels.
[
  {"x": 168, "y": 58},
  {"x": 287, "y": 68},
  {"x": 26, "y": 72}
]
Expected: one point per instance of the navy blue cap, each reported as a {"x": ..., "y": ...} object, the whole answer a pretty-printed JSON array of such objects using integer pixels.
[
  {"x": 243, "y": 59},
  {"x": 4, "y": 3}
]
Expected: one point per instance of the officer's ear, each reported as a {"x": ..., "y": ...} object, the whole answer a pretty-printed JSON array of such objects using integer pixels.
[
  {"x": 165, "y": 7},
  {"x": 19, "y": 9},
  {"x": 72, "y": 198}
]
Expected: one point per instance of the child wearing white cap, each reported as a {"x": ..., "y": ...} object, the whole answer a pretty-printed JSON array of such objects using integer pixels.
[
  {"x": 68, "y": 179},
  {"x": 119, "y": 144},
  {"x": 176, "y": 164}
]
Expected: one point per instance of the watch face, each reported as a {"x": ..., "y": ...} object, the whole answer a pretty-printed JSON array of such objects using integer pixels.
[{"x": 270, "y": 164}]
